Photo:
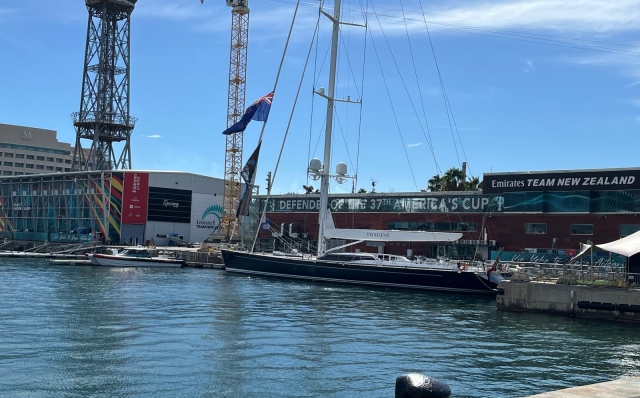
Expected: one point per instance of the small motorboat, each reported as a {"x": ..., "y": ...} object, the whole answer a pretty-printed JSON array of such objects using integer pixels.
[{"x": 134, "y": 257}]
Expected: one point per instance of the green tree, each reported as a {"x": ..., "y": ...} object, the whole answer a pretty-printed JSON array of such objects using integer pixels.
[
  {"x": 362, "y": 190},
  {"x": 452, "y": 180},
  {"x": 310, "y": 189}
]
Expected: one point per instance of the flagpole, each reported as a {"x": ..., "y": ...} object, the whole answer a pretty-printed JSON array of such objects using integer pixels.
[
  {"x": 264, "y": 125},
  {"x": 275, "y": 86}
]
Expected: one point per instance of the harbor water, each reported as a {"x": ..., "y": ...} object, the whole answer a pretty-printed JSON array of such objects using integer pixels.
[{"x": 80, "y": 331}]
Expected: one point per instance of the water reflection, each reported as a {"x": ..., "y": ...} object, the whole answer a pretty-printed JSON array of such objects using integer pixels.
[{"x": 91, "y": 331}]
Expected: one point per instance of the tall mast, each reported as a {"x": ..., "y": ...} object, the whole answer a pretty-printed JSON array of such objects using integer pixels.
[{"x": 324, "y": 182}]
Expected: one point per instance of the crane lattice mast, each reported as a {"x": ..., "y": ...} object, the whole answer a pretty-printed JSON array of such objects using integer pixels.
[{"x": 235, "y": 110}]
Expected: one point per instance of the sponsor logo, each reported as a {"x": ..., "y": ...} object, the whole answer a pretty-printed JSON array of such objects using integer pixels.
[
  {"x": 168, "y": 203},
  {"x": 26, "y": 135},
  {"x": 211, "y": 218}
]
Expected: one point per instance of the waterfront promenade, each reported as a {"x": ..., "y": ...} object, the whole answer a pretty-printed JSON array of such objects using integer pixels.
[{"x": 628, "y": 387}]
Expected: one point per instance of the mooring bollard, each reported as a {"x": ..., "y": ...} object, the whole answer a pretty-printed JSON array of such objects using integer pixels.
[{"x": 416, "y": 385}]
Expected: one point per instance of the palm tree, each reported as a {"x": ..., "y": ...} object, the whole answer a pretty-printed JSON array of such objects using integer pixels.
[
  {"x": 453, "y": 180},
  {"x": 435, "y": 183}
]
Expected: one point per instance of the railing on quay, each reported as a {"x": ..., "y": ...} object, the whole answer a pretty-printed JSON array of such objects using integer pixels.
[{"x": 577, "y": 274}]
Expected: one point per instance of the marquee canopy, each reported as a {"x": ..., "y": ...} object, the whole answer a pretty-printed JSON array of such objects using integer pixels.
[{"x": 627, "y": 246}]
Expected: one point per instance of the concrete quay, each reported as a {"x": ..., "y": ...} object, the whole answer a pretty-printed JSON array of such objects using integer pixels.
[
  {"x": 628, "y": 387},
  {"x": 570, "y": 300}
]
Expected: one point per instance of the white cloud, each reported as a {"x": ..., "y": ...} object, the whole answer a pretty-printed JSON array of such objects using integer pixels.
[
  {"x": 584, "y": 15},
  {"x": 414, "y": 145},
  {"x": 154, "y": 136},
  {"x": 635, "y": 102},
  {"x": 631, "y": 85},
  {"x": 529, "y": 67}
]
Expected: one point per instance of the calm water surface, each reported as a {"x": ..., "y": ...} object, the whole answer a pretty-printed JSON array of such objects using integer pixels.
[{"x": 68, "y": 331}]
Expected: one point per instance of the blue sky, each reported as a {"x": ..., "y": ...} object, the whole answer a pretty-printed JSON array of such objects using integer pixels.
[{"x": 533, "y": 85}]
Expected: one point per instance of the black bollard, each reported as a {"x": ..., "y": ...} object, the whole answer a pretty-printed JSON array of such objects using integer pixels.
[{"x": 416, "y": 385}]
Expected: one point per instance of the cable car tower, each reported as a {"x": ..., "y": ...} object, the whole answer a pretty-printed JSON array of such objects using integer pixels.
[{"x": 104, "y": 117}]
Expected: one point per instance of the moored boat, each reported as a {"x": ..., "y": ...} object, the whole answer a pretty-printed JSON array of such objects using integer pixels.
[
  {"x": 134, "y": 257},
  {"x": 368, "y": 269},
  {"x": 356, "y": 269}
]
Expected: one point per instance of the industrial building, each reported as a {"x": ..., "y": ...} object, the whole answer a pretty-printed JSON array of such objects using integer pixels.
[{"x": 117, "y": 207}]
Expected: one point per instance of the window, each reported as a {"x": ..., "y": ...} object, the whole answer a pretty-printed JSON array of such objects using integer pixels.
[
  {"x": 58, "y": 160},
  {"x": 67, "y": 161},
  {"x": 49, "y": 168},
  {"x": 8, "y": 163},
  {"x": 628, "y": 229},
  {"x": 39, "y": 157},
  {"x": 30, "y": 157},
  {"x": 49, "y": 159},
  {"x": 29, "y": 165},
  {"x": 581, "y": 229},
  {"x": 58, "y": 168},
  {"x": 67, "y": 169},
  {"x": 19, "y": 164},
  {"x": 8, "y": 155},
  {"x": 7, "y": 173},
  {"x": 20, "y": 155},
  {"x": 39, "y": 167},
  {"x": 535, "y": 228},
  {"x": 18, "y": 173}
]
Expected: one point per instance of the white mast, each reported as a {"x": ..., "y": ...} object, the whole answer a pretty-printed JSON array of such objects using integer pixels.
[{"x": 324, "y": 183}]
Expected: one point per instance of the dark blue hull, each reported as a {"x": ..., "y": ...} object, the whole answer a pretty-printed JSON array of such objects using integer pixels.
[{"x": 368, "y": 275}]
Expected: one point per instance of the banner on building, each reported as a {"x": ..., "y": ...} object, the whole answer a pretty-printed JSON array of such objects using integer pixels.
[
  {"x": 206, "y": 215},
  {"x": 590, "y": 180},
  {"x": 135, "y": 198}
]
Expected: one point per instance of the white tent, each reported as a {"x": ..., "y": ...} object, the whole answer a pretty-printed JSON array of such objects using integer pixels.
[{"x": 627, "y": 246}]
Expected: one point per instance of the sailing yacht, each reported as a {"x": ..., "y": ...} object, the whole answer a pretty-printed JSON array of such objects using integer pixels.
[{"x": 359, "y": 268}]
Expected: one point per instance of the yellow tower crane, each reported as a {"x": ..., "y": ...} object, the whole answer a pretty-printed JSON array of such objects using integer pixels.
[{"x": 235, "y": 110}]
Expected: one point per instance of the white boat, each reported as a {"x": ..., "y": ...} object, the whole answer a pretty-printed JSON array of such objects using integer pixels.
[{"x": 134, "y": 257}]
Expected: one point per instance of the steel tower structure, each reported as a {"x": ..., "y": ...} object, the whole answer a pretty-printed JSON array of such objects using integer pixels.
[
  {"x": 104, "y": 106},
  {"x": 235, "y": 110}
]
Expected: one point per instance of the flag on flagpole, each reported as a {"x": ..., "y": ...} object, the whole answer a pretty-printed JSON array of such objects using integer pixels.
[
  {"x": 259, "y": 111},
  {"x": 248, "y": 174}
]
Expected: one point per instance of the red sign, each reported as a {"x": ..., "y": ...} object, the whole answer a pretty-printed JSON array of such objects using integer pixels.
[{"x": 135, "y": 198}]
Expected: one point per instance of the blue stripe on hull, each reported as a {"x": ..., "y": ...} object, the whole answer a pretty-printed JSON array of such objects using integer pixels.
[{"x": 380, "y": 276}]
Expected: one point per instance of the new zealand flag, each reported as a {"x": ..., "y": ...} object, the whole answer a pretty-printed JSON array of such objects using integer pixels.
[{"x": 259, "y": 110}]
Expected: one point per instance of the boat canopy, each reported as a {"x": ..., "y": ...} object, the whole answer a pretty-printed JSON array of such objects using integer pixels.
[{"x": 382, "y": 235}]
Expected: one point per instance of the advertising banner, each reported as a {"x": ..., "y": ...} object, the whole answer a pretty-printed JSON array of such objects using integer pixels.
[
  {"x": 206, "y": 214},
  {"x": 592, "y": 180},
  {"x": 389, "y": 204},
  {"x": 135, "y": 197}
]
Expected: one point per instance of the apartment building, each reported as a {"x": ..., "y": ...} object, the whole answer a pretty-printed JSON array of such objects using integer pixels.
[{"x": 29, "y": 150}]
